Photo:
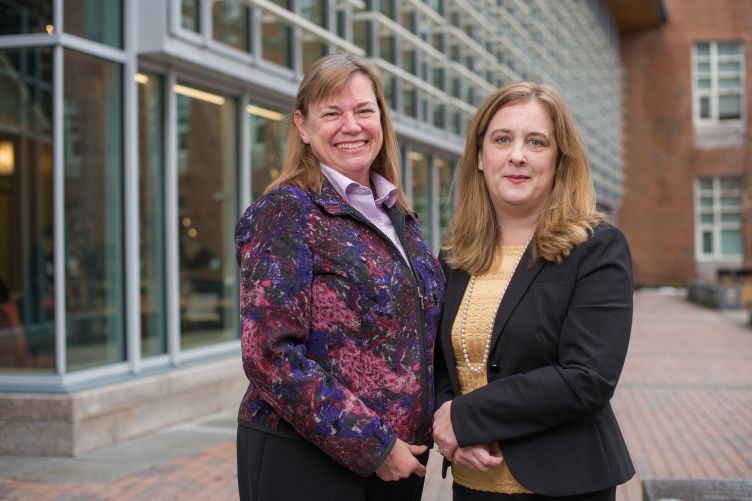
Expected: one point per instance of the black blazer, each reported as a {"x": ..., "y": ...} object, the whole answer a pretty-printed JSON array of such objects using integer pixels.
[{"x": 558, "y": 348}]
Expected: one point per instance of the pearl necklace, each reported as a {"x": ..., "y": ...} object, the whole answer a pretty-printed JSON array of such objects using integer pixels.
[{"x": 493, "y": 317}]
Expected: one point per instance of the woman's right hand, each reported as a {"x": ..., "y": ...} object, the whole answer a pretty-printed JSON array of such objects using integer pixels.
[
  {"x": 401, "y": 462},
  {"x": 476, "y": 458},
  {"x": 443, "y": 431}
]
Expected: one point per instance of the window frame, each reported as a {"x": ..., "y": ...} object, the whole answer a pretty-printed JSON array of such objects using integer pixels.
[
  {"x": 714, "y": 92},
  {"x": 716, "y": 226}
]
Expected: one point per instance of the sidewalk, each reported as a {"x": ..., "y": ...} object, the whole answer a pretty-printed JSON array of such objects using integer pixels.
[{"x": 684, "y": 404}]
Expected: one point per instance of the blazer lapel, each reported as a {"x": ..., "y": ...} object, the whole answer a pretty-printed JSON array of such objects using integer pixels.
[{"x": 518, "y": 286}]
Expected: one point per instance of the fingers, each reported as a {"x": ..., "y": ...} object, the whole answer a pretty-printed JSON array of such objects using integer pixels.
[
  {"x": 477, "y": 458},
  {"x": 401, "y": 462},
  {"x": 417, "y": 450}
]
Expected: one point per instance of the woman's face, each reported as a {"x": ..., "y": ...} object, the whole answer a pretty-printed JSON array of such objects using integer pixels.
[
  {"x": 518, "y": 159},
  {"x": 344, "y": 130}
]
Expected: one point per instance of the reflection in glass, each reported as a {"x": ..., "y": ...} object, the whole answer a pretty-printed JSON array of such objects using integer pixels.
[
  {"x": 267, "y": 142},
  {"x": 189, "y": 15},
  {"x": 95, "y": 20},
  {"x": 231, "y": 21},
  {"x": 28, "y": 16},
  {"x": 93, "y": 211},
  {"x": 421, "y": 193},
  {"x": 207, "y": 211},
  {"x": 27, "y": 336},
  {"x": 150, "y": 168},
  {"x": 275, "y": 38}
]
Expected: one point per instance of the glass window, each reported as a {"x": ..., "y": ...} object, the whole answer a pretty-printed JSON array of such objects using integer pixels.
[
  {"x": 151, "y": 185},
  {"x": 386, "y": 48},
  {"x": 409, "y": 105},
  {"x": 207, "y": 211},
  {"x": 27, "y": 338},
  {"x": 421, "y": 193},
  {"x": 718, "y": 218},
  {"x": 438, "y": 116},
  {"x": 312, "y": 48},
  {"x": 97, "y": 20},
  {"x": 719, "y": 88},
  {"x": 93, "y": 211},
  {"x": 230, "y": 21},
  {"x": 445, "y": 172},
  {"x": 189, "y": 15},
  {"x": 276, "y": 38},
  {"x": 268, "y": 134},
  {"x": 29, "y": 16}
]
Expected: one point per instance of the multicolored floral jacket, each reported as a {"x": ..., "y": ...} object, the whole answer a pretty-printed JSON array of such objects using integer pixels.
[{"x": 337, "y": 330}]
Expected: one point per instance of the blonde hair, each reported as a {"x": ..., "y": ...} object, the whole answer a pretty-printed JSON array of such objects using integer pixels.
[
  {"x": 569, "y": 213},
  {"x": 326, "y": 78}
]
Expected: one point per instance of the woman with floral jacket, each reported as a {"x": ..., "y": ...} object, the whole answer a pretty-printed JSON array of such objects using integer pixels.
[{"x": 340, "y": 301}]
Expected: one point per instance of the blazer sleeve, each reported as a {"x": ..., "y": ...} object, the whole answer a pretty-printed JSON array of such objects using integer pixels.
[
  {"x": 590, "y": 336},
  {"x": 276, "y": 273}
]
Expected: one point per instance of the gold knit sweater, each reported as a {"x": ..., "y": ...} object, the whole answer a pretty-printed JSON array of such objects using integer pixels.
[{"x": 482, "y": 308}]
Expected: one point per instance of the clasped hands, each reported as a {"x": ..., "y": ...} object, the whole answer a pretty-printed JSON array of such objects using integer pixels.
[{"x": 473, "y": 457}]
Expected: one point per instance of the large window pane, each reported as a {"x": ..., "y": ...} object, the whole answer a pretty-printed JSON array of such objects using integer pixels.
[
  {"x": 151, "y": 166},
  {"x": 27, "y": 16},
  {"x": 421, "y": 193},
  {"x": 731, "y": 243},
  {"x": 231, "y": 20},
  {"x": 93, "y": 210},
  {"x": 275, "y": 38},
  {"x": 207, "y": 205},
  {"x": 27, "y": 339},
  {"x": 97, "y": 20},
  {"x": 313, "y": 49},
  {"x": 267, "y": 142}
]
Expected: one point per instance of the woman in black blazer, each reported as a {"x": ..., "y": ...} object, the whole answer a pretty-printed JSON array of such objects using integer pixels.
[{"x": 537, "y": 315}]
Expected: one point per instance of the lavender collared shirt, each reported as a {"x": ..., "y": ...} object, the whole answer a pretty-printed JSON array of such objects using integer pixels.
[{"x": 362, "y": 200}]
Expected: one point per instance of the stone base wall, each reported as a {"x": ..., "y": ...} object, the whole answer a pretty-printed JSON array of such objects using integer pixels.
[{"x": 39, "y": 424}]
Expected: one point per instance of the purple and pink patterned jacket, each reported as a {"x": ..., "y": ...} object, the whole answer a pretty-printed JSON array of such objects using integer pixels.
[{"x": 337, "y": 330}]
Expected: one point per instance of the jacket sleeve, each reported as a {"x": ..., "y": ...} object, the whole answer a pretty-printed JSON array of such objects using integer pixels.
[
  {"x": 592, "y": 345},
  {"x": 276, "y": 274}
]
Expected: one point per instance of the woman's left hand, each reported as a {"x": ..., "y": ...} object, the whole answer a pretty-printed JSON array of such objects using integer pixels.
[
  {"x": 476, "y": 458},
  {"x": 443, "y": 432}
]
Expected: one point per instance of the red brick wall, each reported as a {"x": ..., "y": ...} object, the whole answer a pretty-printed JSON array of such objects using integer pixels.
[{"x": 660, "y": 161}]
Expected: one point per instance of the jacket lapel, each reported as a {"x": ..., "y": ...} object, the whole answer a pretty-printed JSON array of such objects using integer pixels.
[
  {"x": 452, "y": 301},
  {"x": 518, "y": 286}
]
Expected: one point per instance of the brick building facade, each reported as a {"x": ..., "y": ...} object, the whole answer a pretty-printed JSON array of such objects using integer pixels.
[{"x": 687, "y": 142}]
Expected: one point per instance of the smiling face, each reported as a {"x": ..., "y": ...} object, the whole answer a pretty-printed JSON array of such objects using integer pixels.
[
  {"x": 344, "y": 130},
  {"x": 518, "y": 158}
]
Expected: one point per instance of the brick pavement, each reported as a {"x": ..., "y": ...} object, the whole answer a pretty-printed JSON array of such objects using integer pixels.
[{"x": 684, "y": 404}]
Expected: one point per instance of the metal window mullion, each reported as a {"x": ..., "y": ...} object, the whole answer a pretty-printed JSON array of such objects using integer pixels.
[
  {"x": 206, "y": 22},
  {"x": 131, "y": 206},
  {"x": 58, "y": 203},
  {"x": 172, "y": 246},
  {"x": 244, "y": 136}
]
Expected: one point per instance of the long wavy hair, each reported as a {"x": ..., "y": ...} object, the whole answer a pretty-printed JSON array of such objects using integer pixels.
[
  {"x": 569, "y": 214},
  {"x": 326, "y": 78}
]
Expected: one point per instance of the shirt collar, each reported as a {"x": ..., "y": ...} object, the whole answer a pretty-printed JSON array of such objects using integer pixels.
[{"x": 386, "y": 192}]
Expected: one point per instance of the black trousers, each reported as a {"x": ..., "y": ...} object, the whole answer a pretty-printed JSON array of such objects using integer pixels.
[
  {"x": 275, "y": 468},
  {"x": 461, "y": 493}
]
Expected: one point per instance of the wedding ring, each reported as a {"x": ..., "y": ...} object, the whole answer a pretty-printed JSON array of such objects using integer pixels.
[{"x": 439, "y": 450}]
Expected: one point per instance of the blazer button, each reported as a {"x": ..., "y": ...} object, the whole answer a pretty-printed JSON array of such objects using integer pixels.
[{"x": 494, "y": 369}]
